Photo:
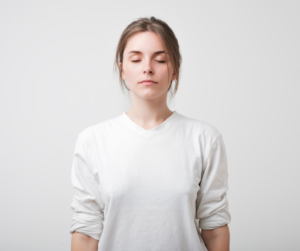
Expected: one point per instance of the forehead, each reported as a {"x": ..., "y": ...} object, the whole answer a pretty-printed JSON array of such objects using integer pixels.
[{"x": 144, "y": 42}]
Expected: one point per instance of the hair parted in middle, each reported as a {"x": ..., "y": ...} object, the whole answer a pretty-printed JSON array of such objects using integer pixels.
[{"x": 165, "y": 33}]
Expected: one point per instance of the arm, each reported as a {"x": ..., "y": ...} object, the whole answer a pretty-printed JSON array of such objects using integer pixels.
[
  {"x": 87, "y": 205},
  {"x": 82, "y": 242},
  {"x": 212, "y": 204},
  {"x": 216, "y": 239}
]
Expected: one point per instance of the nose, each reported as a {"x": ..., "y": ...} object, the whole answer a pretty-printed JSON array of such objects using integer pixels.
[
  {"x": 148, "y": 68},
  {"x": 148, "y": 71}
]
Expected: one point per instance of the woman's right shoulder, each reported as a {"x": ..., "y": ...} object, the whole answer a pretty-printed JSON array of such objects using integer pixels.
[{"x": 98, "y": 130}]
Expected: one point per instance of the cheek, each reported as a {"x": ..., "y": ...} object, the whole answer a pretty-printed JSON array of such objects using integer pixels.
[
  {"x": 131, "y": 70},
  {"x": 164, "y": 72}
]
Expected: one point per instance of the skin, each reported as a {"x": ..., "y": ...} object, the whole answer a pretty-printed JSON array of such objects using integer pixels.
[
  {"x": 83, "y": 242},
  {"x": 145, "y": 58},
  {"x": 217, "y": 239},
  {"x": 148, "y": 103}
]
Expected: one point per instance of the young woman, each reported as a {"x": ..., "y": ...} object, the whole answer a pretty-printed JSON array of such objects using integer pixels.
[{"x": 150, "y": 179}]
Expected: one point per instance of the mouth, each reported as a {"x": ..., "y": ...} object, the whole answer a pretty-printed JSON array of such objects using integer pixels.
[{"x": 148, "y": 82}]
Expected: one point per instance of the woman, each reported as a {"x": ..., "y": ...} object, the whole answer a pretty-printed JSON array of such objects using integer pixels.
[{"x": 151, "y": 178}]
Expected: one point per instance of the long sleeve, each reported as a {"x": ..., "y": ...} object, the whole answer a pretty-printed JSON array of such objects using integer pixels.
[
  {"x": 86, "y": 205},
  {"x": 212, "y": 204}
]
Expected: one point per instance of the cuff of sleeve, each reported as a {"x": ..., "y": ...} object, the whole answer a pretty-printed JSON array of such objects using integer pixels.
[
  {"x": 89, "y": 224},
  {"x": 216, "y": 220}
]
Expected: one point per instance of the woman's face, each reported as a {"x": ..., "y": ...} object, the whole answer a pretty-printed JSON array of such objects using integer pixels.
[{"x": 144, "y": 59}]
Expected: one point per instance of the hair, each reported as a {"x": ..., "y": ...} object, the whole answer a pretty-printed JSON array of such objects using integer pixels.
[{"x": 166, "y": 35}]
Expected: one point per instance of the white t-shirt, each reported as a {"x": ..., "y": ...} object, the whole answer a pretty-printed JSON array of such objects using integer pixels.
[{"x": 149, "y": 190}]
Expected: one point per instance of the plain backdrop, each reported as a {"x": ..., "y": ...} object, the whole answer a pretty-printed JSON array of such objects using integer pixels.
[{"x": 240, "y": 73}]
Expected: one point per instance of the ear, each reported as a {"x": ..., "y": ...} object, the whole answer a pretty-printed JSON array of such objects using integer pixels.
[
  {"x": 122, "y": 71},
  {"x": 174, "y": 76}
]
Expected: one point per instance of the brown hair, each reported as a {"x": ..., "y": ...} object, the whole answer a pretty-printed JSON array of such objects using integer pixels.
[{"x": 165, "y": 33}]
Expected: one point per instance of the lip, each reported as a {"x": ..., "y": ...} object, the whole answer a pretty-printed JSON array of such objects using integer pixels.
[{"x": 148, "y": 82}]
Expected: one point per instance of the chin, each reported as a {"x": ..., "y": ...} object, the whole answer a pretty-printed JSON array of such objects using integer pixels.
[{"x": 149, "y": 94}]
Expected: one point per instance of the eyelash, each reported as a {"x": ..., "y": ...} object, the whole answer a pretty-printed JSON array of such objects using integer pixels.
[{"x": 135, "y": 61}]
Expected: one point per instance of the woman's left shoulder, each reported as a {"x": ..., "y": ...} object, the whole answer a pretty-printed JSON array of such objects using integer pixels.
[{"x": 201, "y": 127}]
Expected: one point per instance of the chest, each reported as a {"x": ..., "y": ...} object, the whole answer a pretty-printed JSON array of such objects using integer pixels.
[{"x": 155, "y": 170}]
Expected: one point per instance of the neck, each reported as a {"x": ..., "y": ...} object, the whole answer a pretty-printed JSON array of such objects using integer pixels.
[{"x": 149, "y": 112}]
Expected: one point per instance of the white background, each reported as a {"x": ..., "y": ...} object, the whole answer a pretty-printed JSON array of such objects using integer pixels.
[{"x": 240, "y": 73}]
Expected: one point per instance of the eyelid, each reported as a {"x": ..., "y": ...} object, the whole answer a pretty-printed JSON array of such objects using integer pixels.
[{"x": 137, "y": 60}]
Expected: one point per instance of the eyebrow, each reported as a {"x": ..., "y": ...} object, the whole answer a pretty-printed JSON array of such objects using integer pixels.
[{"x": 156, "y": 53}]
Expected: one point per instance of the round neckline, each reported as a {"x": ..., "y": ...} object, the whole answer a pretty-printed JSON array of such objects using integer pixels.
[{"x": 144, "y": 132}]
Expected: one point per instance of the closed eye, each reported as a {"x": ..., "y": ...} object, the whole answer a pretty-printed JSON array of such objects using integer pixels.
[{"x": 135, "y": 61}]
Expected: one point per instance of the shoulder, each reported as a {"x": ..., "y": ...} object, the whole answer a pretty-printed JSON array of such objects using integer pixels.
[
  {"x": 204, "y": 133},
  {"x": 98, "y": 130},
  {"x": 201, "y": 129}
]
